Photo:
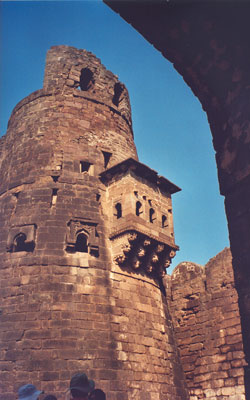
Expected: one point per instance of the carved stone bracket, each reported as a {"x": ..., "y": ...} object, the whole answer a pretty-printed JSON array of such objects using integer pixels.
[{"x": 140, "y": 252}]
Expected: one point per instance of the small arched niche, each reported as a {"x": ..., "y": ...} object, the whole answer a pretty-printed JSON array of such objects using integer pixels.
[
  {"x": 86, "y": 79},
  {"x": 20, "y": 244},
  {"x": 86, "y": 167},
  {"x": 118, "y": 89},
  {"x": 164, "y": 222},
  {"x": 118, "y": 210},
  {"x": 81, "y": 244},
  {"x": 138, "y": 208},
  {"x": 106, "y": 156},
  {"x": 151, "y": 215}
]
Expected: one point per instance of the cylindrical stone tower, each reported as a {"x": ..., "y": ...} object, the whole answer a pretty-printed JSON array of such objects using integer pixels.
[{"x": 86, "y": 234}]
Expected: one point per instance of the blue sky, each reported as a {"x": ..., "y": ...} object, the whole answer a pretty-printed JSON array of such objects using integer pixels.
[{"x": 171, "y": 130}]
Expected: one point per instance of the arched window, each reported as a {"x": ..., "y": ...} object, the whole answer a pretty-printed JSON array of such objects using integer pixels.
[
  {"x": 118, "y": 208},
  {"x": 106, "y": 156},
  {"x": 86, "y": 167},
  {"x": 118, "y": 89},
  {"x": 86, "y": 79},
  {"x": 164, "y": 221},
  {"x": 81, "y": 243},
  {"x": 53, "y": 197},
  {"x": 20, "y": 244},
  {"x": 151, "y": 215},
  {"x": 138, "y": 208}
]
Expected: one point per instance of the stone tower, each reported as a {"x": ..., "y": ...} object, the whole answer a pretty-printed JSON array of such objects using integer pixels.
[{"x": 86, "y": 235}]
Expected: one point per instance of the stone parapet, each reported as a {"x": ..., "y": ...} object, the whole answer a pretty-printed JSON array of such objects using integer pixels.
[{"x": 204, "y": 307}]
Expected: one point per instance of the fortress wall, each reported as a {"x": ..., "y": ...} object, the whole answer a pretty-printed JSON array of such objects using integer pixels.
[
  {"x": 205, "y": 313},
  {"x": 208, "y": 42},
  {"x": 61, "y": 325},
  {"x": 114, "y": 326},
  {"x": 65, "y": 307},
  {"x": 53, "y": 130},
  {"x": 145, "y": 345}
]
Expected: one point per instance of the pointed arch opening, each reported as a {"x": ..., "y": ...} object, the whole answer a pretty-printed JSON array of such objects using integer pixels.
[
  {"x": 118, "y": 210},
  {"x": 86, "y": 79},
  {"x": 106, "y": 156},
  {"x": 20, "y": 244},
  {"x": 81, "y": 243},
  {"x": 138, "y": 208},
  {"x": 118, "y": 89},
  {"x": 151, "y": 215},
  {"x": 164, "y": 223}
]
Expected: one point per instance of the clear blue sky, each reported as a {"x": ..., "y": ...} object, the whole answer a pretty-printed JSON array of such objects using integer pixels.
[{"x": 171, "y": 130}]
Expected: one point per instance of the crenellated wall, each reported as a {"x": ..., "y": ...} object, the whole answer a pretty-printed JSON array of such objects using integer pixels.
[{"x": 204, "y": 307}]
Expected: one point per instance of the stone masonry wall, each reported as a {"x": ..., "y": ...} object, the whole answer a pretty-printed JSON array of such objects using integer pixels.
[
  {"x": 205, "y": 313},
  {"x": 64, "y": 307},
  {"x": 208, "y": 42}
]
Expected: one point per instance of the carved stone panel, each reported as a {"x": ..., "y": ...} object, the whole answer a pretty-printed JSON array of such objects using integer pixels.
[
  {"x": 82, "y": 236},
  {"x": 21, "y": 238}
]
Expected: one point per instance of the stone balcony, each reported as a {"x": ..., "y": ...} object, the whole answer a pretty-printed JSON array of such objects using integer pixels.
[{"x": 139, "y": 212}]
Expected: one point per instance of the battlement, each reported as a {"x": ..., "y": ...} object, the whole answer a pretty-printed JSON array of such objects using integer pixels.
[{"x": 204, "y": 307}]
